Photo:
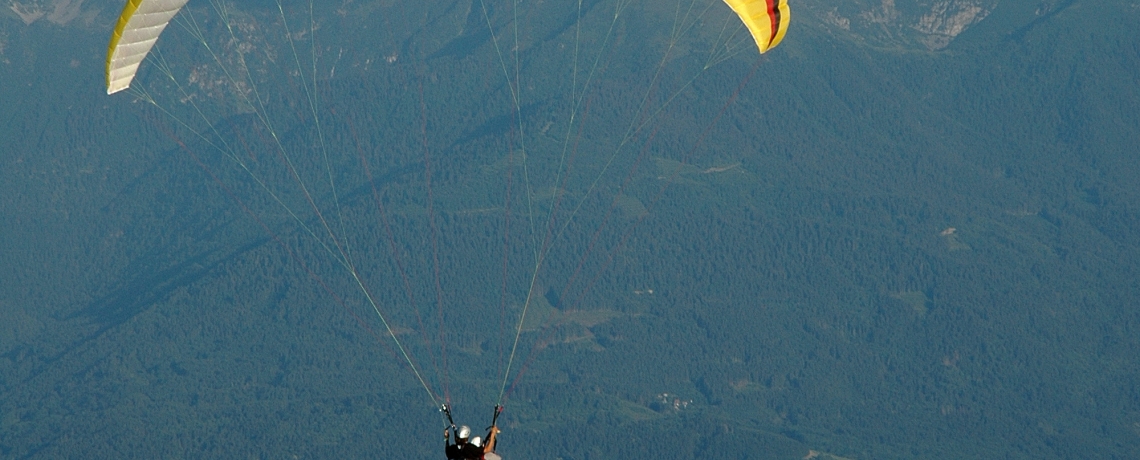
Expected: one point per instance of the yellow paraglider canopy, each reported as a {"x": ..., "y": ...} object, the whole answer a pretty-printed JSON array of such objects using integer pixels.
[
  {"x": 766, "y": 19},
  {"x": 139, "y": 26}
]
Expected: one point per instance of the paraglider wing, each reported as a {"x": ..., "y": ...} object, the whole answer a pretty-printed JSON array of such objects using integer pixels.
[
  {"x": 136, "y": 32},
  {"x": 766, "y": 19}
]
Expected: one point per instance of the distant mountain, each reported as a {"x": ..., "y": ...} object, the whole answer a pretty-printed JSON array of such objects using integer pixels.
[{"x": 929, "y": 24}]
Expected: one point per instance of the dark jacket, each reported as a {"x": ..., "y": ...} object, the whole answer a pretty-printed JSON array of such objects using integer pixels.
[
  {"x": 458, "y": 451},
  {"x": 472, "y": 452}
]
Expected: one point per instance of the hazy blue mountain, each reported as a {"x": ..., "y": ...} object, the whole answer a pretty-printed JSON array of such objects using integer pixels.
[{"x": 910, "y": 231}]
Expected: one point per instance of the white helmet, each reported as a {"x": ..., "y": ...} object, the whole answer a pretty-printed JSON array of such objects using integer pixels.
[
  {"x": 464, "y": 432},
  {"x": 477, "y": 441}
]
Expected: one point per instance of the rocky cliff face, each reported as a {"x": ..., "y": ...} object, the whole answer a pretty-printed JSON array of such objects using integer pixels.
[
  {"x": 59, "y": 12},
  {"x": 906, "y": 23}
]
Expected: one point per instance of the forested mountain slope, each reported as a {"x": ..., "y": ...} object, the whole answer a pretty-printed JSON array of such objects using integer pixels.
[{"x": 910, "y": 231}]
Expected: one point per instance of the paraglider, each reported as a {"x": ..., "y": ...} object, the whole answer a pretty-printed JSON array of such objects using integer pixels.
[
  {"x": 460, "y": 449},
  {"x": 139, "y": 26},
  {"x": 143, "y": 21},
  {"x": 465, "y": 447},
  {"x": 767, "y": 20}
]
